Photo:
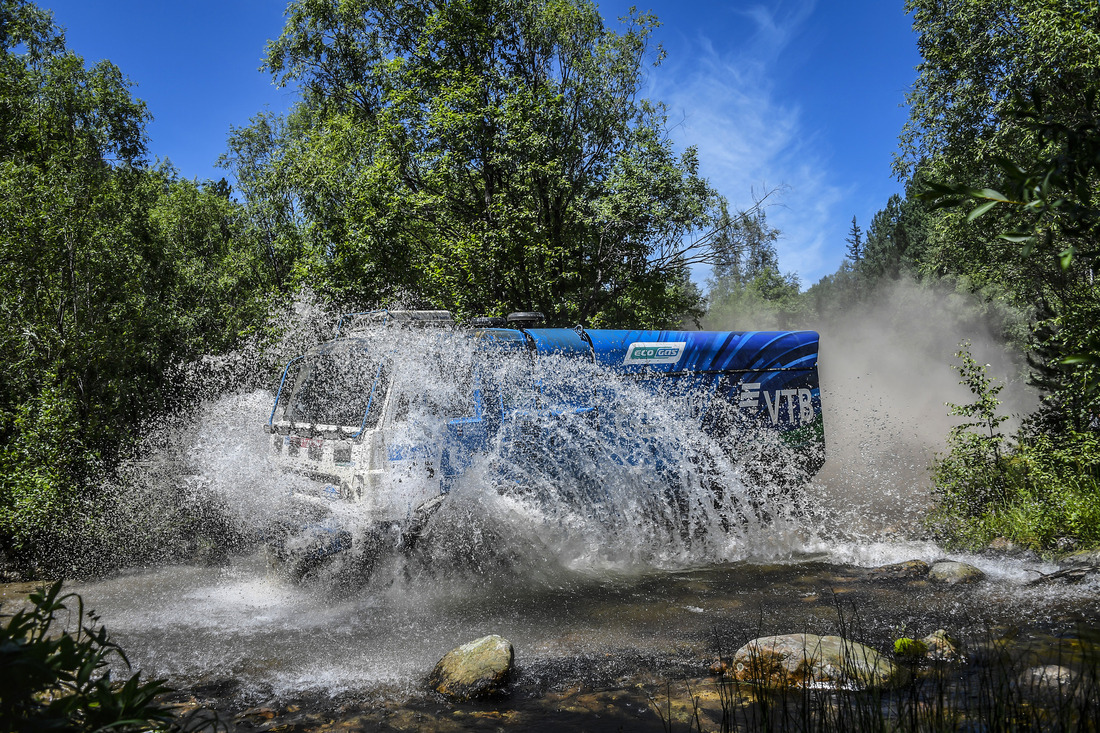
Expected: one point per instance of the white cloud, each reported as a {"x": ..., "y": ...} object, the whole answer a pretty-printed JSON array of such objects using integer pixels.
[{"x": 724, "y": 103}]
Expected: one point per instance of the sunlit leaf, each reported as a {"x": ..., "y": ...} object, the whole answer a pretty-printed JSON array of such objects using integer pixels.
[
  {"x": 989, "y": 193},
  {"x": 981, "y": 209},
  {"x": 1078, "y": 359},
  {"x": 1066, "y": 257}
]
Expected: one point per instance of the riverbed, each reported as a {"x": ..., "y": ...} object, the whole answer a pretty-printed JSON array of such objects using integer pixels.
[{"x": 243, "y": 640}]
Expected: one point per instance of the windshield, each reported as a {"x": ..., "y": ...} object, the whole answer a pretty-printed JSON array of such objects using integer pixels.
[{"x": 334, "y": 388}]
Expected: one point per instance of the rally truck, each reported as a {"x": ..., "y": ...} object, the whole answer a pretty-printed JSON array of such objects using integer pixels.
[{"x": 342, "y": 412}]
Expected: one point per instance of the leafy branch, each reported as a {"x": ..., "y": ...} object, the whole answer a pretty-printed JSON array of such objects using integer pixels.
[
  {"x": 52, "y": 680},
  {"x": 1056, "y": 188}
]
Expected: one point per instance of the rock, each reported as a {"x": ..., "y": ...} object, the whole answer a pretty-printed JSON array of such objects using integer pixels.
[
  {"x": 474, "y": 670},
  {"x": 1051, "y": 681},
  {"x": 952, "y": 573},
  {"x": 802, "y": 659},
  {"x": 942, "y": 648},
  {"x": 1005, "y": 545},
  {"x": 900, "y": 570},
  {"x": 1065, "y": 544},
  {"x": 1084, "y": 557}
]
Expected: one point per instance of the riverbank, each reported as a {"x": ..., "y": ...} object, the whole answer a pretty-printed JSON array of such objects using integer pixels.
[{"x": 1001, "y": 679}]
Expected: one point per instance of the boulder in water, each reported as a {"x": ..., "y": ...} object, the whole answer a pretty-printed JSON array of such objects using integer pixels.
[
  {"x": 477, "y": 669},
  {"x": 901, "y": 570},
  {"x": 953, "y": 573},
  {"x": 942, "y": 647},
  {"x": 1084, "y": 557},
  {"x": 808, "y": 659},
  {"x": 1050, "y": 682}
]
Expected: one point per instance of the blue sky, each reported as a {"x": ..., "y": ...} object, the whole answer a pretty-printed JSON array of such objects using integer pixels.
[{"x": 805, "y": 95}]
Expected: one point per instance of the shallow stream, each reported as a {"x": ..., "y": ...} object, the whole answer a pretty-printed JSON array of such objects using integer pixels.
[{"x": 199, "y": 625}]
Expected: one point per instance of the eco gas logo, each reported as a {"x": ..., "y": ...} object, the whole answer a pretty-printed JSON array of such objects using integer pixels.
[{"x": 654, "y": 352}]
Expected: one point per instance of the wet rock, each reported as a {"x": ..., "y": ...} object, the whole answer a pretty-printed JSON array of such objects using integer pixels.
[
  {"x": 1050, "y": 681},
  {"x": 953, "y": 573},
  {"x": 804, "y": 659},
  {"x": 941, "y": 647},
  {"x": 1065, "y": 544},
  {"x": 1084, "y": 557},
  {"x": 901, "y": 570},
  {"x": 474, "y": 670}
]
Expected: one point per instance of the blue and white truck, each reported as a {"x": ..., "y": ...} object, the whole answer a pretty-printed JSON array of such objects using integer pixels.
[{"x": 342, "y": 410}]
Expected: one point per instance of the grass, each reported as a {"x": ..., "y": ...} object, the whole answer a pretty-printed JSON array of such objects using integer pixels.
[{"x": 994, "y": 688}]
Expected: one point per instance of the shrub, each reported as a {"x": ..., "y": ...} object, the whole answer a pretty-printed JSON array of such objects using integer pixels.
[
  {"x": 52, "y": 681},
  {"x": 1044, "y": 490}
]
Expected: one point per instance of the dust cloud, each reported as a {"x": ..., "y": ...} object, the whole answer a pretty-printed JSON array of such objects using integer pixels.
[{"x": 885, "y": 369}]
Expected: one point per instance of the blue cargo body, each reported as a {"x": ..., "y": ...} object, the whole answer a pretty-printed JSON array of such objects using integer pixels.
[{"x": 733, "y": 380}]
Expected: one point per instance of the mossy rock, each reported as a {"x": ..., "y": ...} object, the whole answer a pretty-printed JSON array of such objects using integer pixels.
[
  {"x": 476, "y": 670},
  {"x": 910, "y": 649},
  {"x": 954, "y": 573},
  {"x": 941, "y": 646},
  {"x": 809, "y": 660}
]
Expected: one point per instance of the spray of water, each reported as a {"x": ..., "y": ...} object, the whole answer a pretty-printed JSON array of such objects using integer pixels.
[
  {"x": 605, "y": 532},
  {"x": 632, "y": 485},
  {"x": 886, "y": 368}
]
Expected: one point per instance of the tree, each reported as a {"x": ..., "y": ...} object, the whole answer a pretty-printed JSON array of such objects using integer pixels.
[
  {"x": 273, "y": 211},
  {"x": 887, "y": 243},
  {"x": 1003, "y": 137},
  {"x": 111, "y": 274},
  {"x": 980, "y": 57},
  {"x": 747, "y": 286},
  {"x": 855, "y": 243},
  {"x": 482, "y": 156},
  {"x": 992, "y": 126}
]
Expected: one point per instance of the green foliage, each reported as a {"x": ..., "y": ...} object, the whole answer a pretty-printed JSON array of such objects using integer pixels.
[
  {"x": 1045, "y": 489},
  {"x": 1052, "y": 494},
  {"x": 1056, "y": 492},
  {"x": 111, "y": 275},
  {"x": 747, "y": 290},
  {"x": 1008, "y": 154},
  {"x": 482, "y": 157},
  {"x": 1064, "y": 357},
  {"x": 51, "y": 680},
  {"x": 969, "y": 480},
  {"x": 855, "y": 243},
  {"x": 988, "y": 119}
]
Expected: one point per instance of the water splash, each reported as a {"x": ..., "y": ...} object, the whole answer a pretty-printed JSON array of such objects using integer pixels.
[
  {"x": 626, "y": 534},
  {"x": 633, "y": 484}
]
